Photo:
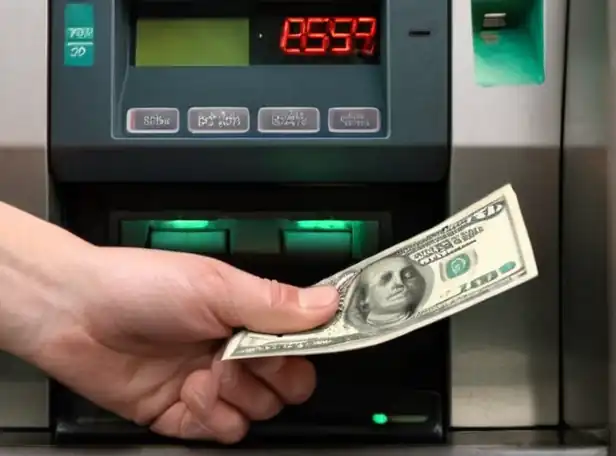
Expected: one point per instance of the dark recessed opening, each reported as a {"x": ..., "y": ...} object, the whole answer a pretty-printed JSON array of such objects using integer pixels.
[{"x": 420, "y": 33}]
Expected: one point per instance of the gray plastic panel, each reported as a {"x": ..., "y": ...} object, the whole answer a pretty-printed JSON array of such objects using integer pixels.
[
  {"x": 505, "y": 352},
  {"x": 23, "y": 173},
  {"x": 377, "y": 451},
  {"x": 611, "y": 161}
]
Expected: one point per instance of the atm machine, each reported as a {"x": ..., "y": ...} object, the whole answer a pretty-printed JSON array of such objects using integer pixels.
[{"x": 293, "y": 138}]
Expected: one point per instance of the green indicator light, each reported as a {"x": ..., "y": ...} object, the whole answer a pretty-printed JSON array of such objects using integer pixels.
[
  {"x": 325, "y": 225},
  {"x": 180, "y": 225},
  {"x": 379, "y": 418}
]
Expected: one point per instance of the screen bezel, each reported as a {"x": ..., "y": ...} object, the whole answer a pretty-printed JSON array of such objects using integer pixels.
[{"x": 263, "y": 15}]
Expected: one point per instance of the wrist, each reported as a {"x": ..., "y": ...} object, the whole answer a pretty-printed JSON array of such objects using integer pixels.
[{"x": 41, "y": 268}]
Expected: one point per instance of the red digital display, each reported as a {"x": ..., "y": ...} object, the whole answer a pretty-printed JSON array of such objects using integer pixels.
[{"x": 333, "y": 36}]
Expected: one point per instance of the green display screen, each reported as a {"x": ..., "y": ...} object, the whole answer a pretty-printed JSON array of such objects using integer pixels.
[{"x": 192, "y": 42}]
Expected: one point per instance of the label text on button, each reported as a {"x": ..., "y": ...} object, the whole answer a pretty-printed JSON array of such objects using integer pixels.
[
  {"x": 218, "y": 120},
  {"x": 152, "y": 120}
]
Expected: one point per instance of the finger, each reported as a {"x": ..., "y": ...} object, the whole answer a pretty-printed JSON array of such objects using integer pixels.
[
  {"x": 209, "y": 416},
  {"x": 239, "y": 299},
  {"x": 200, "y": 389},
  {"x": 225, "y": 424},
  {"x": 240, "y": 388},
  {"x": 293, "y": 379}
]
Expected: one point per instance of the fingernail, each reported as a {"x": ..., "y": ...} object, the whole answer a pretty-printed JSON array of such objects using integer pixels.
[{"x": 318, "y": 297}]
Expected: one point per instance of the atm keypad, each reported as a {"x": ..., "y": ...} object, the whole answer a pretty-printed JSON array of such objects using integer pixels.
[
  {"x": 153, "y": 121},
  {"x": 236, "y": 120}
]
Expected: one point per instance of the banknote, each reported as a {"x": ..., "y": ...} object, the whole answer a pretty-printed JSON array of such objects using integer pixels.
[{"x": 482, "y": 251}]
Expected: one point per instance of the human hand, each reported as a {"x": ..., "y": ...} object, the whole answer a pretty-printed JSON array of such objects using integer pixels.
[{"x": 141, "y": 332}]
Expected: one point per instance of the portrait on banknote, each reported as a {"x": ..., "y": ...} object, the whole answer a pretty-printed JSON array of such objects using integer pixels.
[{"x": 387, "y": 293}]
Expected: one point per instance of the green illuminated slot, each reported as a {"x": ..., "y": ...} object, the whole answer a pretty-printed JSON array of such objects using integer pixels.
[
  {"x": 179, "y": 224},
  {"x": 508, "y": 41},
  {"x": 348, "y": 238},
  {"x": 334, "y": 237},
  {"x": 207, "y": 242},
  {"x": 330, "y": 242},
  {"x": 324, "y": 225}
]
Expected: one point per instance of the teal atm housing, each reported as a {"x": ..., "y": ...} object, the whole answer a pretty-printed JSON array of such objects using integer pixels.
[{"x": 229, "y": 129}]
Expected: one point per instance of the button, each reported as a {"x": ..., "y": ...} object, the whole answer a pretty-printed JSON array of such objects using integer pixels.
[
  {"x": 289, "y": 120},
  {"x": 218, "y": 120},
  {"x": 354, "y": 120},
  {"x": 153, "y": 120}
]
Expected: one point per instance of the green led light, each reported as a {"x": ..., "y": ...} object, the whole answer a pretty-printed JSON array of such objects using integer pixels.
[
  {"x": 325, "y": 225},
  {"x": 180, "y": 225},
  {"x": 379, "y": 418}
]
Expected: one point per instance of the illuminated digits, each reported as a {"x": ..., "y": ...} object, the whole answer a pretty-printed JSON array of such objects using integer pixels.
[
  {"x": 288, "y": 34},
  {"x": 367, "y": 36},
  {"x": 321, "y": 35},
  {"x": 347, "y": 23},
  {"x": 314, "y": 24}
]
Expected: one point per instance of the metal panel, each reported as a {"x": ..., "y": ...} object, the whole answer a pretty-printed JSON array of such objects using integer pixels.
[
  {"x": 432, "y": 451},
  {"x": 584, "y": 220},
  {"x": 473, "y": 443},
  {"x": 23, "y": 172},
  {"x": 611, "y": 162},
  {"x": 461, "y": 450},
  {"x": 505, "y": 352}
]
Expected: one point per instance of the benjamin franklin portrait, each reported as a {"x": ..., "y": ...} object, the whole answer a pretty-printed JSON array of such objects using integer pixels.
[{"x": 387, "y": 293}]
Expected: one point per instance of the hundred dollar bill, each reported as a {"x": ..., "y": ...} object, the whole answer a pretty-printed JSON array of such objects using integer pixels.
[{"x": 480, "y": 252}]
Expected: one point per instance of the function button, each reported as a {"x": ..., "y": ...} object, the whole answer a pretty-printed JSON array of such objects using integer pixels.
[
  {"x": 289, "y": 120},
  {"x": 354, "y": 120},
  {"x": 218, "y": 120},
  {"x": 153, "y": 120}
]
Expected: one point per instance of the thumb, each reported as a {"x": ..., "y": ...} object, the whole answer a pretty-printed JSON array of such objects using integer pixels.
[{"x": 241, "y": 300}]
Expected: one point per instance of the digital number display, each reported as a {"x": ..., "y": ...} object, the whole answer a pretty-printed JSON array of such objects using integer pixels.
[
  {"x": 257, "y": 32},
  {"x": 335, "y": 36}
]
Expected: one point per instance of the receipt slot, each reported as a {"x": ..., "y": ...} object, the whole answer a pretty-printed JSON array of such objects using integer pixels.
[
  {"x": 293, "y": 139},
  {"x": 508, "y": 42}
]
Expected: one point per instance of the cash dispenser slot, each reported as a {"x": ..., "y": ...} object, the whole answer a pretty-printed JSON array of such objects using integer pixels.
[
  {"x": 343, "y": 239},
  {"x": 190, "y": 236},
  {"x": 393, "y": 393},
  {"x": 268, "y": 243}
]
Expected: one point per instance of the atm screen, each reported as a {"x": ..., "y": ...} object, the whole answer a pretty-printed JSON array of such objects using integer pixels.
[{"x": 259, "y": 33}]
